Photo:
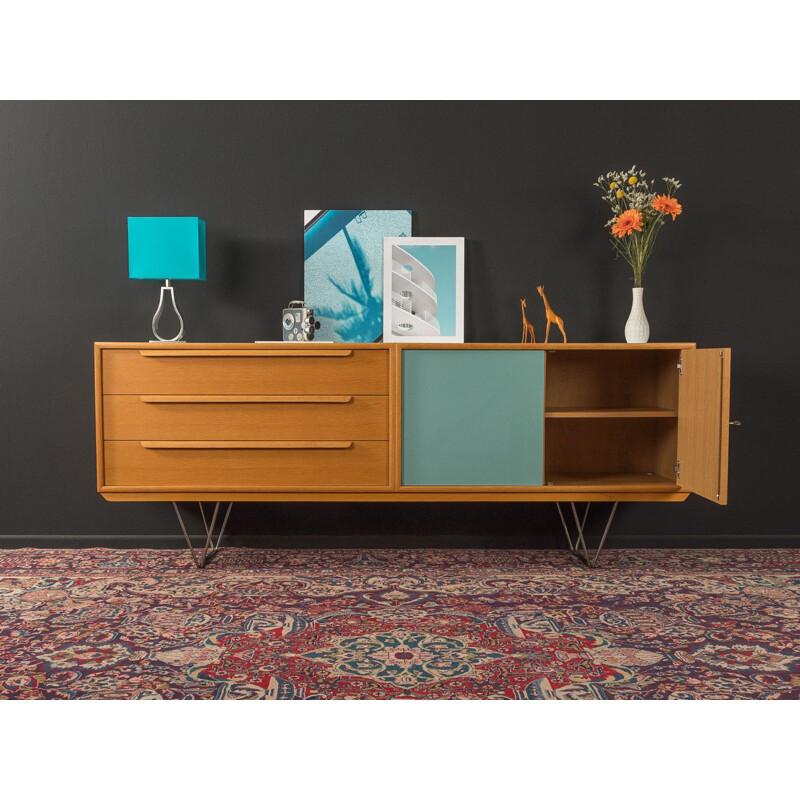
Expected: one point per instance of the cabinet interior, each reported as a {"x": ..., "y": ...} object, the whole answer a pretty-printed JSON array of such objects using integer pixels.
[{"x": 611, "y": 417}]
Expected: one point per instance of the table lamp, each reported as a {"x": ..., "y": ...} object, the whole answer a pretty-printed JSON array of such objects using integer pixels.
[{"x": 168, "y": 249}]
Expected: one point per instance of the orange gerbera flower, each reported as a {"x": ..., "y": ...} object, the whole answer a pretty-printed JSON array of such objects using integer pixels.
[
  {"x": 667, "y": 205},
  {"x": 627, "y": 222}
]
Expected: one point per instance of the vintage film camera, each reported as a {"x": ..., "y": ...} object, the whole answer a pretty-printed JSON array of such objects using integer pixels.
[{"x": 299, "y": 324}]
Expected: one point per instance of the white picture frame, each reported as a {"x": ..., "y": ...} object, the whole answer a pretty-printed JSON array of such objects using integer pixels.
[{"x": 411, "y": 302}]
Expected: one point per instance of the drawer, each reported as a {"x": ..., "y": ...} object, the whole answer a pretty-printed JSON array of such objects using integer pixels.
[
  {"x": 246, "y": 466},
  {"x": 245, "y": 417},
  {"x": 254, "y": 371}
]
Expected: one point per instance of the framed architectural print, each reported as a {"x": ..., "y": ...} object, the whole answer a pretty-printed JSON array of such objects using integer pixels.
[{"x": 423, "y": 289}]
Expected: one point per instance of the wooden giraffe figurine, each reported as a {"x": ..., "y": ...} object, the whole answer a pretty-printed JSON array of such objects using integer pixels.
[
  {"x": 551, "y": 317},
  {"x": 527, "y": 327}
]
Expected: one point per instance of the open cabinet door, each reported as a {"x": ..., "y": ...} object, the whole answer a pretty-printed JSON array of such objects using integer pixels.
[{"x": 703, "y": 419}]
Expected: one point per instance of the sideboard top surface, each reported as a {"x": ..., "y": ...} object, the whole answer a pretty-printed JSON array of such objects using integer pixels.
[{"x": 376, "y": 345}]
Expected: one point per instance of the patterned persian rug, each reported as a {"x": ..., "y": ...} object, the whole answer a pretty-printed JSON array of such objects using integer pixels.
[{"x": 391, "y": 624}]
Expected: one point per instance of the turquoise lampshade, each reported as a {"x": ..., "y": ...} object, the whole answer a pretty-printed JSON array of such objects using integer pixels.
[{"x": 167, "y": 248}]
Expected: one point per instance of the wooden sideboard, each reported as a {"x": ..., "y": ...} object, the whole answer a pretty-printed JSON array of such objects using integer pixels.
[{"x": 409, "y": 423}]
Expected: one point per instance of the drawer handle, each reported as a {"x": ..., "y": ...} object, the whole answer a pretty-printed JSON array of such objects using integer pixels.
[
  {"x": 245, "y": 353},
  {"x": 245, "y": 398},
  {"x": 198, "y": 445}
]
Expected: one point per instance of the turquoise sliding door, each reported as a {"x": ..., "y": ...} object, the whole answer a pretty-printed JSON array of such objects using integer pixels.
[{"x": 473, "y": 417}]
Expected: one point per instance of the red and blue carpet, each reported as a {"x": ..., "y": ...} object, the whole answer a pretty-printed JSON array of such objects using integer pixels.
[{"x": 329, "y": 624}]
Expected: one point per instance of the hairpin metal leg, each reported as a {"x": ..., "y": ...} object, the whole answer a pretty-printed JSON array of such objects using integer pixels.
[
  {"x": 210, "y": 548},
  {"x": 579, "y": 548}
]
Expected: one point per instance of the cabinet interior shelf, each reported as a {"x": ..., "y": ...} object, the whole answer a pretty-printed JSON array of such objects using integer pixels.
[
  {"x": 587, "y": 412},
  {"x": 612, "y": 480}
]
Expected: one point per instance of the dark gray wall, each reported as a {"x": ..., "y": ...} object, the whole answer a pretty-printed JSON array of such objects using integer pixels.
[{"x": 514, "y": 178}]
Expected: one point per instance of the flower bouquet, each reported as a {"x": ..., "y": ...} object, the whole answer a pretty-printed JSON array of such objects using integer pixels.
[{"x": 639, "y": 213}]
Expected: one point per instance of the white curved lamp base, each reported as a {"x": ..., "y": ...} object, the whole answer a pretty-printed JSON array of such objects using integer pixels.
[{"x": 160, "y": 310}]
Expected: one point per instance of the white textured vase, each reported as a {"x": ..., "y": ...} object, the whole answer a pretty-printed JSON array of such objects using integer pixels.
[{"x": 637, "y": 328}]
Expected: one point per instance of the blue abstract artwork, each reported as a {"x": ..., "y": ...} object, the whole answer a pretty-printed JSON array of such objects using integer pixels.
[{"x": 343, "y": 269}]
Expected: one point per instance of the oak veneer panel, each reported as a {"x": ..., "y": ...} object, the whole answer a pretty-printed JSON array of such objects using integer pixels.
[
  {"x": 244, "y": 444},
  {"x": 665, "y": 444},
  {"x": 725, "y": 421},
  {"x": 130, "y": 464},
  {"x": 597, "y": 413},
  {"x": 611, "y": 446},
  {"x": 666, "y": 378},
  {"x": 98, "y": 415},
  {"x": 553, "y": 347},
  {"x": 361, "y": 372},
  {"x": 274, "y": 353},
  {"x": 360, "y": 417},
  {"x": 703, "y": 419},
  {"x": 300, "y": 494},
  {"x": 608, "y": 481},
  {"x": 612, "y": 378},
  {"x": 394, "y": 416},
  {"x": 227, "y": 399}
]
